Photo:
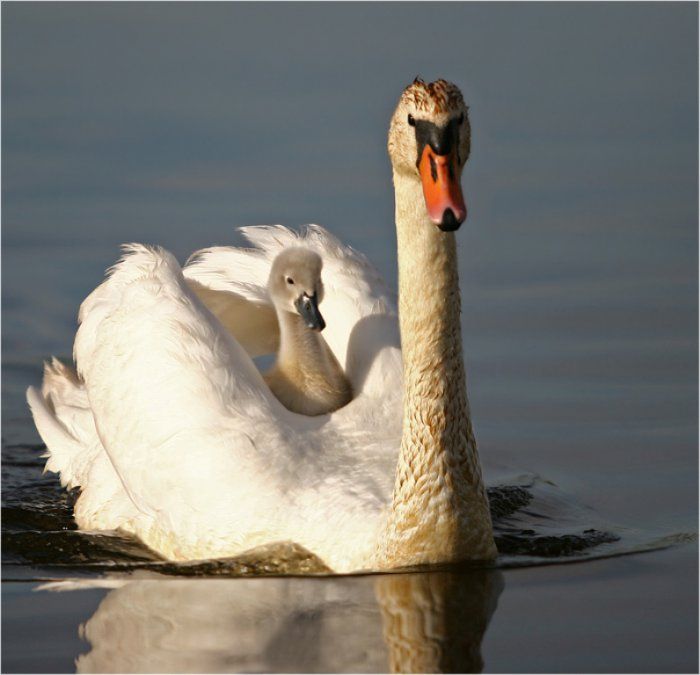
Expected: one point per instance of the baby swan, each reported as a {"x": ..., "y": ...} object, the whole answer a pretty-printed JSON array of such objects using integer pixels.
[{"x": 306, "y": 376}]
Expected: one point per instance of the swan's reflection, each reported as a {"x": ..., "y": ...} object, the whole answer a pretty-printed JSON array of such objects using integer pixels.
[
  {"x": 434, "y": 623},
  {"x": 428, "y": 622}
]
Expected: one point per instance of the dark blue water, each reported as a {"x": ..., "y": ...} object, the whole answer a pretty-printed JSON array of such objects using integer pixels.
[{"x": 173, "y": 124}]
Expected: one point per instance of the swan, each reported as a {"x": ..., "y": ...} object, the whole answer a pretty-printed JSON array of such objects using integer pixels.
[
  {"x": 173, "y": 435},
  {"x": 306, "y": 376}
]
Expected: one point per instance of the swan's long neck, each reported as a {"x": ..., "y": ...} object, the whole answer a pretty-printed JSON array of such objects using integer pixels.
[{"x": 440, "y": 510}]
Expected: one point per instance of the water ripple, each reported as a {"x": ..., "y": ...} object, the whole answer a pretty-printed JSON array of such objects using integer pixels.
[{"x": 535, "y": 523}]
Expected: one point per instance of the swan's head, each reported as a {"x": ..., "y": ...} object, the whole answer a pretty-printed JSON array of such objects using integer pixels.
[
  {"x": 429, "y": 140},
  {"x": 295, "y": 285}
]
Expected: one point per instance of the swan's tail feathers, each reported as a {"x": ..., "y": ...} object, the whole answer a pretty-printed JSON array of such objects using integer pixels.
[
  {"x": 62, "y": 448},
  {"x": 64, "y": 420},
  {"x": 61, "y": 383}
]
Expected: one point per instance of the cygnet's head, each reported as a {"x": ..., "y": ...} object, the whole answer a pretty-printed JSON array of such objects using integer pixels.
[
  {"x": 429, "y": 141},
  {"x": 295, "y": 285}
]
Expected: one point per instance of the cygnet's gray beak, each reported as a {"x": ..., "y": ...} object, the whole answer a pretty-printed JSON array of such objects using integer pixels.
[{"x": 307, "y": 306}]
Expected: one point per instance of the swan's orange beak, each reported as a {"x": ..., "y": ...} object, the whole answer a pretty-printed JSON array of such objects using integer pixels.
[{"x": 439, "y": 175}]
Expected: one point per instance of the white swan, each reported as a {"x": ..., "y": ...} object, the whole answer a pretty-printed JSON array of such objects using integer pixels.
[{"x": 191, "y": 452}]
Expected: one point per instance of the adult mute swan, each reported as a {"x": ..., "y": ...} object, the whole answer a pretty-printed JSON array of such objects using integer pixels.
[{"x": 174, "y": 436}]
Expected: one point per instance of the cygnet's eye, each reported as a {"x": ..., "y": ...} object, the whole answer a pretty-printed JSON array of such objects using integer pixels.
[
  {"x": 411, "y": 121},
  {"x": 290, "y": 281}
]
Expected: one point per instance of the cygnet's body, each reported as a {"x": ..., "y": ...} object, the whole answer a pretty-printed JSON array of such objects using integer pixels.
[{"x": 306, "y": 376}]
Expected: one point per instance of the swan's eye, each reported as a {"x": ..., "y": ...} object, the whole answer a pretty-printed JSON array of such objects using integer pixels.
[
  {"x": 411, "y": 121},
  {"x": 290, "y": 281}
]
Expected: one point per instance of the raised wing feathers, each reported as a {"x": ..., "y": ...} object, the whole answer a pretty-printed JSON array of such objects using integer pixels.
[{"x": 358, "y": 306}]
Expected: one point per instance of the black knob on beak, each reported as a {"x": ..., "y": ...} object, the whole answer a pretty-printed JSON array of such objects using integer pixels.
[{"x": 307, "y": 306}]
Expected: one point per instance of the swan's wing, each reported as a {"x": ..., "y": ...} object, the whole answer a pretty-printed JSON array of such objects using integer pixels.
[
  {"x": 358, "y": 306},
  {"x": 210, "y": 463},
  {"x": 177, "y": 403},
  {"x": 253, "y": 324},
  {"x": 232, "y": 283},
  {"x": 145, "y": 330}
]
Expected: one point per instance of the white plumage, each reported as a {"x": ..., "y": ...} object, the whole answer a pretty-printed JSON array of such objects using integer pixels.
[
  {"x": 173, "y": 435},
  {"x": 205, "y": 462}
]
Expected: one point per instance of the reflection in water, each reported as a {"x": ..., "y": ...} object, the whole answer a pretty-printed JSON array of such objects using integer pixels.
[
  {"x": 427, "y": 622},
  {"x": 434, "y": 623}
]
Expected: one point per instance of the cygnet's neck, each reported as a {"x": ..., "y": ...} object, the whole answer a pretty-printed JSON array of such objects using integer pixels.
[
  {"x": 306, "y": 377},
  {"x": 440, "y": 510},
  {"x": 300, "y": 347}
]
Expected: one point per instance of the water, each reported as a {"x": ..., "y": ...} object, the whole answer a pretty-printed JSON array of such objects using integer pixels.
[
  {"x": 579, "y": 283},
  {"x": 571, "y": 618}
]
